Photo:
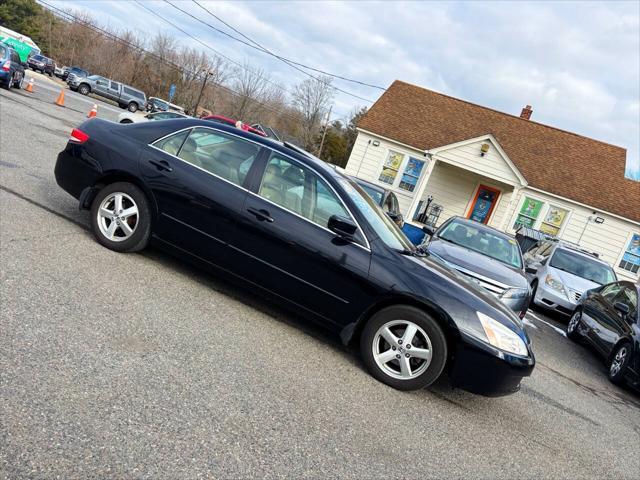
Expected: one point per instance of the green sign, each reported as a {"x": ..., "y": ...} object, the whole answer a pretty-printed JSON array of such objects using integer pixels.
[
  {"x": 531, "y": 208},
  {"x": 21, "y": 48}
]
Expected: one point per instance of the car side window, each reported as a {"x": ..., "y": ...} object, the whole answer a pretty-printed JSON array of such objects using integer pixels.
[
  {"x": 172, "y": 144},
  {"x": 222, "y": 155},
  {"x": 299, "y": 190},
  {"x": 115, "y": 86},
  {"x": 102, "y": 81},
  {"x": 610, "y": 291},
  {"x": 629, "y": 296}
]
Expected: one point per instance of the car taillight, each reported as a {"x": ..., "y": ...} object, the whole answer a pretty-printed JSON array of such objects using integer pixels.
[
  {"x": 7, "y": 66},
  {"x": 78, "y": 136}
]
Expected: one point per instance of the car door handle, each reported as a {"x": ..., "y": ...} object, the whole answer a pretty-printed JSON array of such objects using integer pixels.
[
  {"x": 260, "y": 214},
  {"x": 161, "y": 165}
]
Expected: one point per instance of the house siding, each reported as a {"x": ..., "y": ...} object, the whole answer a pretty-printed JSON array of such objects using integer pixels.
[{"x": 608, "y": 239}]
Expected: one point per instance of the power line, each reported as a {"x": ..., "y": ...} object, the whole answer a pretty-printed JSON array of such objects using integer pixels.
[
  {"x": 258, "y": 46},
  {"x": 261, "y": 49},
  {"x": 196, "y": 74}
]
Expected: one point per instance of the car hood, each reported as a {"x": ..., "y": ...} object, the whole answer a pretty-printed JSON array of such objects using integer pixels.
[
  {"x": 477, "y": 263},
  {"x": 574, "y": 282}
]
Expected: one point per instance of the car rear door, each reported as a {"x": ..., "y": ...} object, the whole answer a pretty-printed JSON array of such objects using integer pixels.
[
  {"x": 197, "y": 176},
  {"x": 600, "y": 316},
  {"x": 282, "y": 241}
]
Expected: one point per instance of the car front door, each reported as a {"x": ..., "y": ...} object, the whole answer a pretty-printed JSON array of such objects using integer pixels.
[
  {"x": 599, "y": 316},
  {"x": 283, "y": 244},
  {"x": 113, "y": 92},
  {"x": 102, "y": 87},
  {"x": 197, "y": 176}
]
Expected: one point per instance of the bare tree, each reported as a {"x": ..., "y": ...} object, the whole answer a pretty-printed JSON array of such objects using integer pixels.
[
  {"x": 251, "y": 86},
  {"x": 312, "y": 98}
]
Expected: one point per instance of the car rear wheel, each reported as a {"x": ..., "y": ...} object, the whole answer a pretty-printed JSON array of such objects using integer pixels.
[
  {"x": 619, "y": 362},
  {"x": 132, "y": 107},
  {"x": 404, "y": 347},
  {"x": 120, "y": 217},
  {"x": 573, "y": 325},
  {"x": 8, "y": 85}
]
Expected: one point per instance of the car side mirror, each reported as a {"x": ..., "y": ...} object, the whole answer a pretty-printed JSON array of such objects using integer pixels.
[
  {"x": 623, "y": 308},
  {"x": 397, "y": 218},
  {"x": 429, "y": 230},
  {"x": 531, "y": 269},
  {"x": 342, "y": 226}
]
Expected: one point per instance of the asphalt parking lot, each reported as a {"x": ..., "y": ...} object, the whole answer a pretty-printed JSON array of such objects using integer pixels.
[{"x": 139, "y": 366}]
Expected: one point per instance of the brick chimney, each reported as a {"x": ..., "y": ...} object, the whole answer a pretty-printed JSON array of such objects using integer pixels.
[{"x": 526, "y": 112}]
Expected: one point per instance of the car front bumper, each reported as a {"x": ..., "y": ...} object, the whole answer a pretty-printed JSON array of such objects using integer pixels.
[
  {"x": 482, "y": 369},
  {"x": 552, "y": 299}
]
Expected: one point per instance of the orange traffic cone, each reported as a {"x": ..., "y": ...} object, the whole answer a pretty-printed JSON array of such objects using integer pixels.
[
  {"x": 60, "y": 99},
  {"x": 93, "y": 112},
  {"x": 29, "y": 86}
]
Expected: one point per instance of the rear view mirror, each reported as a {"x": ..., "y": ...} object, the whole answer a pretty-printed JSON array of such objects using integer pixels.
[
  {"x": 623, "y": 308},
  {"x": 342, "y": 226}
]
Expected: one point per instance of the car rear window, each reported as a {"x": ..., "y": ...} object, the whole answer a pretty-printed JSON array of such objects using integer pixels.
[{"x": 3, "y": 51}]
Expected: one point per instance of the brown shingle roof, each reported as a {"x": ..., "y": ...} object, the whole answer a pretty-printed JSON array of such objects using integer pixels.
[{"x": 553, "y": 160}]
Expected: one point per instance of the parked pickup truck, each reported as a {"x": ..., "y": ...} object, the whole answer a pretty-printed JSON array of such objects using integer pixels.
[{"x": 126, "y": 96}]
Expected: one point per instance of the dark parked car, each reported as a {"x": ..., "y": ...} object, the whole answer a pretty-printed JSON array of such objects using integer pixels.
[
  {"x": 608, "y": 319},
  {"x": 70, "y": 72},
  {"x": 385, "y": 199},
  {"x": 11, "y": 69},
  {"x": 484, "y": 255},
  {"x": 42, "y": 64},
  {"x": 288, "y": 226}
]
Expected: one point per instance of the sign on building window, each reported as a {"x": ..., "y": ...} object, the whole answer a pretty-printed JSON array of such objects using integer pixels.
[
  {"x": 529, "y": 212},
  {"x": 411, "y": 174},
  {"x": 553, "y": 220},
  {"x": 391, "y": 167},
  {"x": 631, "y": 257}
]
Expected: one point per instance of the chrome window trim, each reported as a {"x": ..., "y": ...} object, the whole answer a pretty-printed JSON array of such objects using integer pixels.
[{"x": 368, "y": 245}]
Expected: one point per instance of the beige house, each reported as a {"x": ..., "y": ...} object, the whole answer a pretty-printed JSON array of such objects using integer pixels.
[{"x": 443, "y": 157}]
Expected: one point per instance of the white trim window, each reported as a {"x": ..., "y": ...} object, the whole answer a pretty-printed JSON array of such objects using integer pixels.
[
  {"x": 630, "y": 260},
  {"x": 411, "y": 170},
  {"x": 537, "y": 214},
  {"x": 553, "y": 220},
  {"x": 391, "y": 167}
]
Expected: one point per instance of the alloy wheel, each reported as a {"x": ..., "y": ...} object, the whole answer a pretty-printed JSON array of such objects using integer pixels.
[
  {"x": 402, "y": 349},
  {"x": 117, "y": 216},
  {"x": 573, "y": 323},
  {"x": 618, "y": 361}
]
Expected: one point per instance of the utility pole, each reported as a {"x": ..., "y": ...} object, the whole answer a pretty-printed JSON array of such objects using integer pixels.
[
  {"x": 324, "y": 133},
  {"x": 204, "y": 82}
]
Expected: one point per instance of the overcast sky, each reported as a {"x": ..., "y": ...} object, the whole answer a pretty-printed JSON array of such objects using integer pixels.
[{"x": 576, "y": 63}]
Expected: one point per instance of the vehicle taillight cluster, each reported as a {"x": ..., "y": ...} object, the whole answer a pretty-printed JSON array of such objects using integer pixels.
[
  {"x": 7, "y": 66},
  {"x": 78, "y": 136}
]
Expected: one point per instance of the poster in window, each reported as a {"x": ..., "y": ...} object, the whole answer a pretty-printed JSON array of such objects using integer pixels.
[
  {"x": 632, "y": 253},
  {"x": 526, "y": 221},
  {"x": 483, "y": 204},
  {"x": 555, "y": 216},
  {"x": 390, "y": 168},
  {"x": 531, "y": 208},
  {"x": 414, "y": 167},
  {"x": 549, "y": 229}
]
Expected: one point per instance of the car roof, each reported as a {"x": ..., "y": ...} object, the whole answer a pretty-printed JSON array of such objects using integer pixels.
[{"x": 576, "y": 249}]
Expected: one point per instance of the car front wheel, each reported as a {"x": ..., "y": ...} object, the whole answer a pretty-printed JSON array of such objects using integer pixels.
[
  {"x": 574, "y": 325},
  {"x": 619, "y": 362},
  {"x": 404, "y": 347},
  {"x": 120, "y": 217},
  {"x": 84, "y": 89},
  {"x": 132, "y": 107}
]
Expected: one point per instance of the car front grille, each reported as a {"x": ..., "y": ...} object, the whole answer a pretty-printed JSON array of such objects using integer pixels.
[{"x": 492, "y": 286}]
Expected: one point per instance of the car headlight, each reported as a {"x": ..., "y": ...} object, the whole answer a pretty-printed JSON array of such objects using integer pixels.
[
  {"x": 554, "y": 284},
  {"x": 515, "y": 293},
  {"x": 502, "y": 337}
]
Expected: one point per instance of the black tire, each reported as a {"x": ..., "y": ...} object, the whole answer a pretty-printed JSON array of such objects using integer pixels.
[
  {"x": 573, "y": 328},
  {"x": 534, "y": 289},
  {"x": 84, "y": 89},
  {"x": 429, "y": 326},
  {"x": 618, "y": 377},
  {"x": 142, "y": 228},
  {"x": 132, "y": 107},
  {"x": 19, "y": 84},
  {"x": 8, "y": 85},
  {"x": 126, "y": 120}
]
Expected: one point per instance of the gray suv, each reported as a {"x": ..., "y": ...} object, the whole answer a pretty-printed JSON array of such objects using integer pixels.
[
  {"x": 126, "y": 96},
  {"x": 561, "y": 273}
]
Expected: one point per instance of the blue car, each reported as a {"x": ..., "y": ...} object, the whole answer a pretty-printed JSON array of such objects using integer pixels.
[{"x": 11, "y": 68}]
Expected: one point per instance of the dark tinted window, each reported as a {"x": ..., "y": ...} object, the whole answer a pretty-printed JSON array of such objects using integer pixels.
[
  {"x": 172, "y": 143},
  {"x": 3, "y": 51},
  {"x": 224, "y": 156},
  {"x": 133, "y": 93},
  {"x": 115, "y": 86},
  {"x": 611, "y": 291},
  {"x": 629, "y": 296}
]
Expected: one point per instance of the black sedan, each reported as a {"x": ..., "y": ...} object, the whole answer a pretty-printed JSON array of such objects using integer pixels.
[
  {"x": 287, "y": 225},
  {"x": 608, "y": 319}
]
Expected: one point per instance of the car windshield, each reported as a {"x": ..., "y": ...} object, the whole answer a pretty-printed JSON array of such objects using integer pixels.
[
  {"x": 40, "y": 58},
  {"x": 582, "y": 266},
  {"x": 483, "y": 241},
  {"x": 384, "y": 227},
  {"x": 373, "y": 193}
]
